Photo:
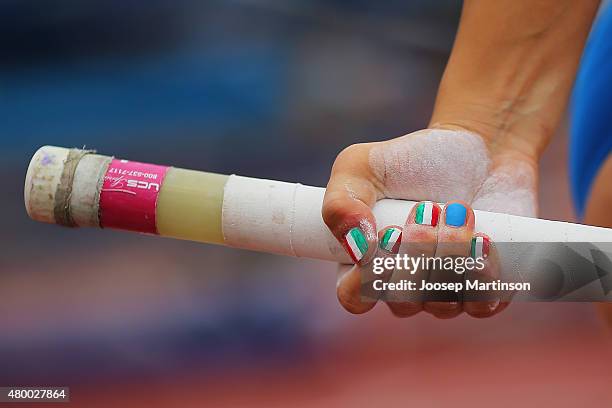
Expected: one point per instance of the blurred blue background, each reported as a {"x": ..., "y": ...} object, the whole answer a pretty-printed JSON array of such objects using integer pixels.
[{"x": 261, "y": 88}]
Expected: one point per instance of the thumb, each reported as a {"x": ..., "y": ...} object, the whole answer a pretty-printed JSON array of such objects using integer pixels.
[{"x": 350, "y": 194}]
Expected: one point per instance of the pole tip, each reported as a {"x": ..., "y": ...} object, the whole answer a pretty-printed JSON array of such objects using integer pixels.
[{"x": 42, "y": 180}]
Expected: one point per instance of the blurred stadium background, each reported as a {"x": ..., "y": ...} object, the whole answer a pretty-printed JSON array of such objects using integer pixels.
[{"x": 262, "y": 88}]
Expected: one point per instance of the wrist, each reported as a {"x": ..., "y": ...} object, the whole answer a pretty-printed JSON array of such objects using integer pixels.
[
  {"x": 511, "y": 70},
  {"x": 509, "y": 116}
]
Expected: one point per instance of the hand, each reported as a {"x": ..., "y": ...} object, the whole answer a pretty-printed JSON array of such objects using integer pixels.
[
  {"x": 508, "y": 79},
  {"x": 440, "y": 165}
]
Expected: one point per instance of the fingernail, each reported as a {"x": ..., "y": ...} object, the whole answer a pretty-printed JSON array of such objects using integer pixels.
[
  {"x": 455, "y": 215},
  {"x": 391, "y": 240},
  {"x": 356, "y": 243},
  {"x": 480, "y": 247},
  {"x": 427, "y": 214}
]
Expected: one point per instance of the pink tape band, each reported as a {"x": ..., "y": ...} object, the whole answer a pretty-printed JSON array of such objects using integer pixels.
[{"x": 128, "y": 199}]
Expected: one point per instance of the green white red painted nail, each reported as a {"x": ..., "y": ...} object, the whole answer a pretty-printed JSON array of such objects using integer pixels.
[
  {"x": 480, "y": 247},
  {"x": 356, "y": 244},
  {"x": 391, "y": 240},
  {"x": 427, "y": 214}
]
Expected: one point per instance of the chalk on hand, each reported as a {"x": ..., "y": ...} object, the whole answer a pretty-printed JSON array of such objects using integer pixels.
[{"x": 78, "y": 188}]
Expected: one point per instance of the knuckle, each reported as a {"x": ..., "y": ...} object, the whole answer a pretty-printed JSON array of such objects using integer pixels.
[
  {"x": 422, "y": 235},
  {"x": 349, "y": 152},
  {"x": 349, "y": 302},
  {"x": 443, "y": 310},
  {"x": 404, "y": 309},
  {"x": 334, "y": 210},
  {"x": 480, "y": 311},
  {"x": 353, "y": 157}
]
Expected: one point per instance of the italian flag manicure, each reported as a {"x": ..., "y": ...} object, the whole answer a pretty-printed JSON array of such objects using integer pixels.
[
  {"x": 391, "y": 240},
  {"x": 427, "y": 214},
  {"x": 356, "y": 243},
  {"x": 480, "y": 247}
]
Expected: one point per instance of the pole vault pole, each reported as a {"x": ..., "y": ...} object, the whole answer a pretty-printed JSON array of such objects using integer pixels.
[{"x": 78, "y": 188}]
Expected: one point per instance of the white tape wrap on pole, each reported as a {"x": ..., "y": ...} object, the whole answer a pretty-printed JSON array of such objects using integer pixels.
[{"x": 285, "y": 218}]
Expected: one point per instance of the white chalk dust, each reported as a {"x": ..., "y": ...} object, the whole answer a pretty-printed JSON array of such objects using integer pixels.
[{"x": 443, "y": 165}]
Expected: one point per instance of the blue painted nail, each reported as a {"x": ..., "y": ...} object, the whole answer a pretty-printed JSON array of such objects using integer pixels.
[{"x": 455, "y": 215}]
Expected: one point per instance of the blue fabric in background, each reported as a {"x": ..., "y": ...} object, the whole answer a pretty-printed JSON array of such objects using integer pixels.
[{"x": 591, "y": 111}]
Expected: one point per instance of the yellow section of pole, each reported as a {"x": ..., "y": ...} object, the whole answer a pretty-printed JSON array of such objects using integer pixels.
[{"x": 189, "y": 205}]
